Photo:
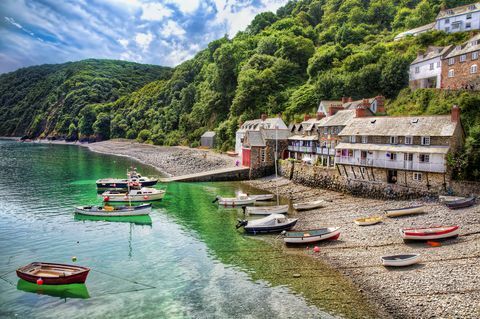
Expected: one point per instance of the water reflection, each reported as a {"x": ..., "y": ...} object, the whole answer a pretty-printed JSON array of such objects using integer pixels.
[
  {"x": 137, "y": 220},
  {"x": 62, "y": 291}
]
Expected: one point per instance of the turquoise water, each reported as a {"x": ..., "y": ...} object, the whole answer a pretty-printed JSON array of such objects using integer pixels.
[{"x": 185, "y": 261}]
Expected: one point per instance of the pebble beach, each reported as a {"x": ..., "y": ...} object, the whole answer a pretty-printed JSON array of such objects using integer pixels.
[{"x": 445, "y": 284}]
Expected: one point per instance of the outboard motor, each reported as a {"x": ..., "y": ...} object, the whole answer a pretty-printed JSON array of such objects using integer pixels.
[
  {"x": 215, "y": 200},
  {"x": 241, "y": 223}
]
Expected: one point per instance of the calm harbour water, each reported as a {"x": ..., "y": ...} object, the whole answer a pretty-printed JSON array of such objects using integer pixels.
[{"x": 185, "y": 261}]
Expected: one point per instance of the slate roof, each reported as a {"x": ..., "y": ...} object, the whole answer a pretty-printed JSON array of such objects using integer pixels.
[
  {"x": 268, "y": 123},
  {"x": 458, "y": 10},
  {"x": 400, "y": 126},
  {"x": 473, "y": 44},
  {"x": 395, "y": 148},
  {"x": 341, "y": 118},
  {"x": 432, "y": 52},
  {"x": 423, "y": 28},
  {"x": 328, "y": 104},
  {"x": 303, "y": 137},
  {"x": 209, "y": 134},
  {"x": 255, "y": 138},
  {"x": 259, "y": 138}
]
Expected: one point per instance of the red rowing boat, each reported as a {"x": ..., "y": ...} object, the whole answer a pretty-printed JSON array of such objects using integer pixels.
[
  {"x": 53, "y": 274},
  {"x": 429, "y": 233}
]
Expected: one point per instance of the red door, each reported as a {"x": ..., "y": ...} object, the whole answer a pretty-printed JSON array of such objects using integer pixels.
[{"x": 246, "y": 157}]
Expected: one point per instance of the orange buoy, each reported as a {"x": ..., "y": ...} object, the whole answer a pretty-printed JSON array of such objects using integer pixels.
[
  {"x": 145, "y": 197},
  {"x": 39, "y": 281},
  {"x": 316, "y": 249},
  {"x": 434, "y": 243}
]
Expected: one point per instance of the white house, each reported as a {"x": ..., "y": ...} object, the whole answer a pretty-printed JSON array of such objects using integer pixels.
[
  {"x": 463, "y": 18},
  {"x": 426, "y": 70},
  {"x": 256, "y": 125}
]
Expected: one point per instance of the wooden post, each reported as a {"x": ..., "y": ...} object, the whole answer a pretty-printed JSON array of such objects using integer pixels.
[
  {"x": 345, "y": 170},
  {"x": 406, "y": 178},
  {"x": 428, "y": 182},
  {"x": 373, "y": 176},
  {"x": 353, "y": 171},
  {"x": 361, "y": 172},
  {"x": 338, "y": 169}
]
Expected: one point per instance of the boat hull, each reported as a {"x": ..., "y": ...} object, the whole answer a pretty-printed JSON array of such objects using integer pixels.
[
  {"x": 429, "y": 233},
  {"x": 461, "y": 203},
  {"x": 309, "y": 206},
  {"x": 259, "y": 198},
  {"x": 400, "y": 260},
  {"x": 270, "y": 229},
  {"x": 334, "y": 234},
  {"x": 77, "y": 278},
  {"x": 404, "y": 211},
  {"x": 122, "y": 198},
  {"x": 283, "y": 209},
  {"x": 235, "y": 203},
  {"x": 123, "y": 185},
  {"x": 368, "y": 221},
  {"x": 137, "y": 211}
]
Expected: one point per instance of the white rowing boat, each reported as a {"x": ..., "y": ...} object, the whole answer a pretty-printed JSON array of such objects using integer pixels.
[
  {"x": 145, "y": 194},
  {"x": 267, "y": 210},
  {"x": 241, "y": 200},
  {"x": 309, "y": 205},
  {"x": 311, "y": 236},
  {"x": 262, "y": 197},
  {"x": 404, "y": 211},
  {"x": 401, "y": 260}
]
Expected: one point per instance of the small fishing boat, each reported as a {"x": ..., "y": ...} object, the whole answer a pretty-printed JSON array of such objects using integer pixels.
[
  {"x": 53, "y": 274},
  {"x": 270, "y": 224},
  {"x": 400, "y": 260},
  {"x": 267, "y": 210},
  {"x": 311, "y": 236},
  {"x": 460, "y": 203},
  {"x": 145, "y": 194},
  {"x": 445, "y": 198},
  {"x": 241, "y": 200},
  {"x": 114, "y": 211},
  {"x": 429, "y": 233},
  {"x": 133, "y": 177},
  {"x": 404, "y": 211},
  {"x": 309, "y": 205},
  {"x": 368, "y": 221},
  {"x": 262, "y": 197}
]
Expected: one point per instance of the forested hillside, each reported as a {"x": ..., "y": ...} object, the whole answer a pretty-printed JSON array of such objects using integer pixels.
[
  {"x": 284, "y": 62},
  {"x": 50, "y": 99}
]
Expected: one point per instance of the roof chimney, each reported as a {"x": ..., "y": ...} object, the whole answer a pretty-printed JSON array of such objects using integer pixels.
[
  {"x": 455, "y": 114},
  {"x": 334, "y": 109},
  {"x": 344, "y": 99},
  {"x": 264, "y": 117},
  {"x": 320, "y": 115},
  {"x": 306, "y": 117},
  {"x": 360, "y": 111},
  {"x": 380, "y": 104}
]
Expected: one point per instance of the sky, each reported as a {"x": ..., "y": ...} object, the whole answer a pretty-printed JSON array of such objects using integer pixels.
[{"x": 165, "y": 32}]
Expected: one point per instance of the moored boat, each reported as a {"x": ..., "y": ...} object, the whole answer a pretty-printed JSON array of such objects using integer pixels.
[
  {"x": 270, "y": 224},
  {"x": 262, "y": 197},
  {"x": 429, "y": 233},
  {"x": 460, "y": 203},
  {"x": 405, "y": 211},
  {"x": 145, "y": 194},
  {"x": 240, "y": 200},
  {"x": 400, "y": 260},
  {"x": 53, "y": 274},
  {"x": 267, "y": 210},
  {"x": 133, "y": 177},
  {"x": 309, "y": 205},
  {"x": 368, "y": 220},
  {"x": 114, "y": 211},
  {"x": 311, "y": 236}
]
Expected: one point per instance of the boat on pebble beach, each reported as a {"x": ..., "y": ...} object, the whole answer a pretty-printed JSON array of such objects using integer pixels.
[
  {"x": 145, "y": 194},
  {"x": 429, "y": 233},
  {"x": 53, "y": 274},
  {"x": 311, "y": 236},
  {"x": 405, "y": 211},
  {"x": 368, "y": 220},
  {"x": 262, "y": 197},
  {"x": 400, "y": 260},
  {"x": 114, "y": 211},
  {"x": 270, "y": 224},
  {"x": 240, "y": 200},
  {"x": 267, "y": 210},
  {"x": 460, "y": 203},
  {"x": 309, "y": 205}
]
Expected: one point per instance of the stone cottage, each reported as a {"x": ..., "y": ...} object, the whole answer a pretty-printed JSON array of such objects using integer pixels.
[{"x": 460, "y": 66}]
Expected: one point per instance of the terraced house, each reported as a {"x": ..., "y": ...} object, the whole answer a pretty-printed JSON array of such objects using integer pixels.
[
  {"x": 303, "y": 141},
  {"x": 410, "y": 151},
  {"x": 460, "y": 66},
  {"x": 426, "y": 70}
]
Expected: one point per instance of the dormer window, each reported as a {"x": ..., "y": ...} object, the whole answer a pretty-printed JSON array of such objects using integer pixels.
[
  {"x": 393, "y": 139},
  {"x": 449, "y": 11},
  {"x": 425, "y": 140}
]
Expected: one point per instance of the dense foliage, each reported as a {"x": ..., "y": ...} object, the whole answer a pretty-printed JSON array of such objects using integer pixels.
[
  {"x": 51, "y": 99},
  {"x": 284, "y": 62}
]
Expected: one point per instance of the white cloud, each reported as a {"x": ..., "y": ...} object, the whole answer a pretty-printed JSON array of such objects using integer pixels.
[
  {"x": 155, "y": 12},
  {"x": 172, "y": 28},
  {"x": 12, "y": 21},
  {"x": 143, "y": 40},
  {"x": 186, "y": 6},
  {"x": 123, "y": 42}
]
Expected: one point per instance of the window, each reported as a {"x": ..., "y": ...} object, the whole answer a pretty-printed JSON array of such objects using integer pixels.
[
  {"x": 393, "y": 156},
  {"x": 447, "y": 29},
  {"x": 424, "y": 158},
  {"x": 263, "y": 155},
  {"x": 417, "y": 69},
  {"x": 425, "y": 140},
  {"x": 447, "y": 20},
  {"x": 378, "y": 140},
  {"x": 332, "y": 144},
  {"x": 364, "y": 139},
  {"x": 439, "y": 64},
  {"x": 417, "y": 177},
  {"x": 468, "y": 25},
  {"x": 473, "y": 69},
  {"x": 449, "y": 11},
  {"x": 469, "y": 16},
  {"x": 408, "y": 157},
  {"x": 451, "y": 73},
  {"x": 463, "y": 58},
  {"x": 451, "y": 61},
  {"x": 408, "y": 140},
  {"x": 353, "y": 139},
  {"x": 456, "y": 25},
  {"x": 393, "y": 139},
  {"x": 432, "y": 65},
  {"x": 475, "y": 55}
]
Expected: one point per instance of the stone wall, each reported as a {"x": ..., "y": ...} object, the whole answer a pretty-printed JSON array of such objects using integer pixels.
[{"x": 464, "y": 188}]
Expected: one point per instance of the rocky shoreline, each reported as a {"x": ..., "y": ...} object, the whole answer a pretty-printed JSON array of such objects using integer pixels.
[{"x": 445, "y": 284}]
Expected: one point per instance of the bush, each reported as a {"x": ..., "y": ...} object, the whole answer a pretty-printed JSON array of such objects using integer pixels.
[{"x": 144, "y": 135}]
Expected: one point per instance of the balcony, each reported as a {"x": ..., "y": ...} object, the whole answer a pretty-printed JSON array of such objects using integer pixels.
[
  {"x": 302, "y": 149},
  {"x": 398, "y": 164}
]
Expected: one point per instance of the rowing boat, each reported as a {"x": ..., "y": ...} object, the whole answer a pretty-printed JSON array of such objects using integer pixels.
[
  {"x": 404, "y": 211},
  {"x": 429, "y": 233},
  {"x": 400, "y": 260},
  {"x": 269, "y": 224},
  {"x": 311, "y": 236},
  {"x": 240, "y": 200},
  {"x": 114, "y": 211},
  {"x": 368, "y": 221},
  {"x": 53, "y": 274},
  {"x": 460, "y": 203},
  {"x": 145, "y": 194},
  {"x": 309, "y": 205},
  {"x": 267, "y": 210},
  {"x": 262, "y": 197}
]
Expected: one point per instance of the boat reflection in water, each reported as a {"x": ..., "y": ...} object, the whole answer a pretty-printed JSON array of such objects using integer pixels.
[
  {"x": 137, "y": 220},
  {"x": 61, "y": 291}
]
